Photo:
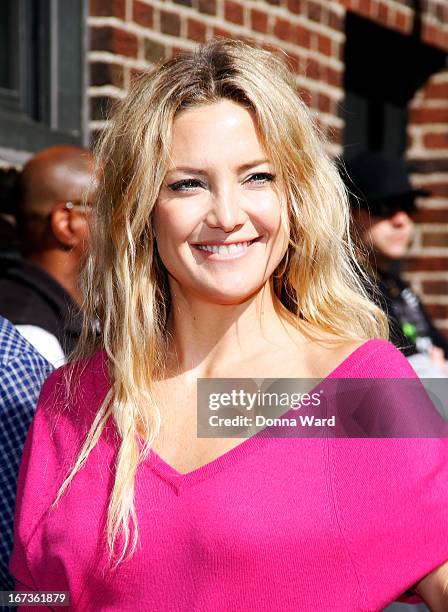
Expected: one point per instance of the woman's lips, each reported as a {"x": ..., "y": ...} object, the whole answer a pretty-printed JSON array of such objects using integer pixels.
[{"x": 230, "y": 251}]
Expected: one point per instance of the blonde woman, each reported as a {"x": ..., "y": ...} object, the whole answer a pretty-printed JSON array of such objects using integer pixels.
[{"x": 120, "y": 503}]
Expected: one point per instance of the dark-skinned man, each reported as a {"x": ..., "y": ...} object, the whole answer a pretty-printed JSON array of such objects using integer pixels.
[{"x": 40, "y": 294}]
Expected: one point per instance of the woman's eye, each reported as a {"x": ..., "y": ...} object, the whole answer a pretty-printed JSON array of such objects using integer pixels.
[
  {"x": 185, "y": 185},
  {"x": 261, "y": 177}
]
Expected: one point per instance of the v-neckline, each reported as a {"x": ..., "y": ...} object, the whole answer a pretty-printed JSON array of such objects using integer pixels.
[{"x": 178, "y": 480}]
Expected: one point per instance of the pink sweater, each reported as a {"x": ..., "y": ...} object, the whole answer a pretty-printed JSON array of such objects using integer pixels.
[{"x": 274, "y": 524}]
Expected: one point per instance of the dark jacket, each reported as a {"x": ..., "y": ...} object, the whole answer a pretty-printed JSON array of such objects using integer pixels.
[
  {"x": 411, "y": 329},
  {"x": 30, "y": 296}
]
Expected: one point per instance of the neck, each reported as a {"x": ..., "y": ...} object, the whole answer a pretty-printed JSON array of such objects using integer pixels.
[
  {"x": 382, "y": 263},
  {"x": 205, "y": 334},
  {"x": 62, "y": 267}
]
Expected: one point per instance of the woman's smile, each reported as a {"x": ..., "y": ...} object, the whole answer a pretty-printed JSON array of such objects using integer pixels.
[{"x": 226, "y": 251}]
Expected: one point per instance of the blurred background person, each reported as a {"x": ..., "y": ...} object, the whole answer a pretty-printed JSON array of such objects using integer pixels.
[
  {"x": 9, "y": 239},
  {"x": 383, "y": 202},
  {"x": 40, "y": 293},
  {"x": 22, "y": 372}
]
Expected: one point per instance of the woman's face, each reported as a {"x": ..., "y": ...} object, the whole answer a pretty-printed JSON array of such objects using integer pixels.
[
  {"x": 217, "y": 218},
  {"x": 390, "y": 236}
]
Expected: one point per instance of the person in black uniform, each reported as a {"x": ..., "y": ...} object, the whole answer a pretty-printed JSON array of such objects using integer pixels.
[{"x": 383, "y": 202}]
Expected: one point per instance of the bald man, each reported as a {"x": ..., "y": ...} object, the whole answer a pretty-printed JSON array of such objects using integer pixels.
[{"x": 40, "y": 294}]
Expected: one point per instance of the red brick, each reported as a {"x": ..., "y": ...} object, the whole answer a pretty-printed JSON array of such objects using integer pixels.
[
  {"x": 107, "y": 8},
  {"x": 428, "y": 215},
  {"x": 233, "y": 12},
  {"x": 443, "y": 40},
  {"x": 136, "y": 74},
  {"x": 170, "y": 23},
  {"x": 324, "y": 103},
  {"x": 434, "y": 35},
  {"x": 439, "y": 287},
  {"x": 324, "y": 15},
  {"x": 259, "y": 21},
  {"x": 295, "y": 62},
  {"x": 437, "y": 91},
  {"x": 438, "y": 189},
  {"x": 207, "y": 6},
  {"x": 154, "y": 51},
  {"x": 106, "y": 74},
  {"x": 437, "y": 311},
  {"x": 196, "y": 30},
  {"x": 336, "y": 22},
  {"x": 383, "y": 14},
  {"x": 143, "y": 14},
  {"x": 334, "y": 77},
  {"x": 301, "y": 36},
  {"x": 314, "y": 11},
  {"x": 296, "y": 6},
  {"x": 365, "y": 8},
  {"x": 403, "y": 22},
  {"x": 429, "y": 115},
  {"x": 324, "y": 44},
  {"x": 426, "y": 166},
  {"x": 283, "y": 29},
  {"x": 436, "y": 140},
  {"x": 115, "y": 40},
  {"x": 176, "y": 51},
  {"x": 435, "y": 240},
  {"x": 338, "y": 50},
  {"x": 314, "y": 70},
  {"x": 306, "y": 95},
  {"x": 222, "y": 32},
  {"x": 336, "y": 135},
  {"x": 430, "y": 34},
  {"x": 429, "y": 264}
]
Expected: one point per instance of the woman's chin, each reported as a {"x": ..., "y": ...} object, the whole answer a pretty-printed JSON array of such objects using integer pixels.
[{"x": 230, "y": 297}]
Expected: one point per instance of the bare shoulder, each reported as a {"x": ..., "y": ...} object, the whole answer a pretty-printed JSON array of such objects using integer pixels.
[
  {"x": 330, "y": 356},
  {"x": 326, "y": 338},
  {"x": 325, "y": 351}
]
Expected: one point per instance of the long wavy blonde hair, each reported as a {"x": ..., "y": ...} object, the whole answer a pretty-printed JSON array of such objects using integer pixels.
[{"x": 125, "y": 284}]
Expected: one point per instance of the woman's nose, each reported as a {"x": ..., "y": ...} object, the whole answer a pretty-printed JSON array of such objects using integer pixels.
[
  {"x": 225, "y": 210},
  {"x": 401, "y": 218}
]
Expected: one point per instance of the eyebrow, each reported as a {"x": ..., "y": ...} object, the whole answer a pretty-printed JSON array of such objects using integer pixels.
[{"x": 247, "y": 166}]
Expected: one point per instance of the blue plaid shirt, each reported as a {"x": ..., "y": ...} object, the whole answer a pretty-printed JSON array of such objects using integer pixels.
[{"x": 22, "y": 372}]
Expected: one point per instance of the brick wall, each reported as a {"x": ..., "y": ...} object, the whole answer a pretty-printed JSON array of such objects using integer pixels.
[
  {"x": 128, "y": 36},
  {"x": 428, "y": 152}
]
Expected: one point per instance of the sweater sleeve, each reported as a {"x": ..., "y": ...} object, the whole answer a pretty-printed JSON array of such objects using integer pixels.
[
  {"x": 64, "y": 414},
  {"x": 395, "y": 519}
]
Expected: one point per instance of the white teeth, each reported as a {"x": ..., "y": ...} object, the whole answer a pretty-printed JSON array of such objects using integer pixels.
[{"x": 224, "y": 249}]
